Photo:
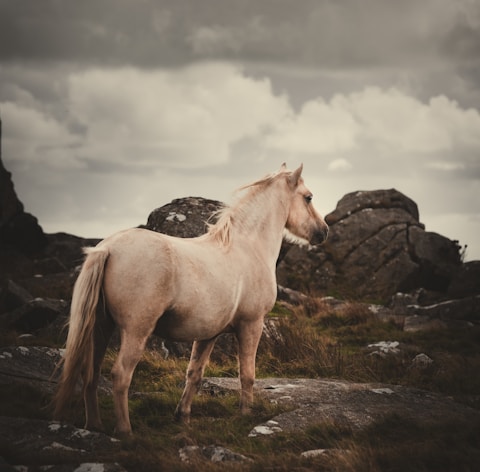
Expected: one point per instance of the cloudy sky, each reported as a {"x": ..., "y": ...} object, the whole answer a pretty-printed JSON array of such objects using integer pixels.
[{"x": 111, "y": 108}]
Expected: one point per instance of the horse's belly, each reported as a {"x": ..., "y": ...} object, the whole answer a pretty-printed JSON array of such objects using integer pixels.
[{"x": 190, "y": 326}]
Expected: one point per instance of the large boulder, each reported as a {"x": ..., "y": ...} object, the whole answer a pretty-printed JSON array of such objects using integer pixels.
[
  {"x": 376, "y": 247},
  {"x": 466, "y": 280},
  {"x": 34, "y": 315},
  {"x": 13, "y": 296},
  {"x": 184, "y": 217},
  {"x": 18, "y": 229},
  {"x": 64, "y": 252}
]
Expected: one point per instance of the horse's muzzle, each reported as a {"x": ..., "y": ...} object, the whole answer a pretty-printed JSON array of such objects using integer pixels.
[{"x": 320, "y": 235}]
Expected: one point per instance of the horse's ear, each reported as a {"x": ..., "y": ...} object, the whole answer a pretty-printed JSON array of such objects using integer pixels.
[
  {"x": 294, "y": 178},
  {"x": 283, "y": 167}
]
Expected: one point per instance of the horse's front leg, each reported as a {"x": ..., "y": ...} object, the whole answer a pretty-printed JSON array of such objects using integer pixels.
[
  {"x": 248, "y": 335},
  {"x": 201, "y": 351}
]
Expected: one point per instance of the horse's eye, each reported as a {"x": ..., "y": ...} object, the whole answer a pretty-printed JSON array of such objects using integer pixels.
[{"x": 308, "y": 198}]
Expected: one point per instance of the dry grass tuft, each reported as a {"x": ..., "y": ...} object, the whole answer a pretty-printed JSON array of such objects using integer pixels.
[{"x": 294, "y": 348}]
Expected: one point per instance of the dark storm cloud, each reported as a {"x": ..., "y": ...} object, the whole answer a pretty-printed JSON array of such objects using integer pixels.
[
  {"x": 149, "y": 33},
  {"x": 119, "y": 31},
  {"x": 431, "y": 46},
  {"x": 172, "y": 32},
  {"x": 462, "y": 41}
]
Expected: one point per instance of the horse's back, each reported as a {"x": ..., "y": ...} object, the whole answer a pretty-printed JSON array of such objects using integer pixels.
[{"x": 147, "y": 266}]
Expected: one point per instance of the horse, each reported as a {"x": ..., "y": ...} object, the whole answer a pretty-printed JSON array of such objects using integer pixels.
[{"x": 183, "y": 289}]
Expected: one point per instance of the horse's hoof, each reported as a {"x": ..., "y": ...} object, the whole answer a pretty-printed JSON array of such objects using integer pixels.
[
  {"x": 246, "y": 410},
  {"x": 123, "y": 434},
  {"x": 182, "y": 418}
]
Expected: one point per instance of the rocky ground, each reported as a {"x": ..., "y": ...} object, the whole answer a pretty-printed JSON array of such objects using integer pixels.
[{"x": 305, "y": 402}]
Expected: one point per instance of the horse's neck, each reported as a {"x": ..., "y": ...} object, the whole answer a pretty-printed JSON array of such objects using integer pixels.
[{"x": 265, "y": 217}]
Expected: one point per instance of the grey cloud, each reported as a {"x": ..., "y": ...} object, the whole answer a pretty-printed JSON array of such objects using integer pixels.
[
  {"x": 150, "y": 33},
  {"x": 462, "y": 41},
  {"x": 171, "y": 32},
  {"x": 431, "y": 45},
  {"x": 95, "y": 31}
]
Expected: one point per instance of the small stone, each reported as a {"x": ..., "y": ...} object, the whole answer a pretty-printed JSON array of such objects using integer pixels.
[
  {"x": 188, "y": 452},
  {"x": 265, "y": 430},
  {"x": 313, "y": 453},
  {"x": 90, "y": 467},
  {"x": 386, "y": 347},
  {"x": 60, "y": 446},
  {"x": 54, "y": 426},
  {"x": 422, "y": 361},
  {"x": 80, "y": 433},
  {"x": 212, "y": 453},
  {"x": 381, "y": 391}
]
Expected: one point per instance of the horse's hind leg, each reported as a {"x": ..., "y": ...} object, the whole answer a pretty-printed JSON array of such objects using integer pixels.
[
  {"x": 201, "y": 351},
  {"x": 103, "y": 331},
  {"x": 131, "y": 350}
]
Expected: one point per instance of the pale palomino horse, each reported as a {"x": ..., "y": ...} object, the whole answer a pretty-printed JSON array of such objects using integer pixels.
[{"x": 191, "y": 289}]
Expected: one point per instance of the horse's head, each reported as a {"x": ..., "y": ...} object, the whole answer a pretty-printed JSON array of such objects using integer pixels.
[{"x": 303, "y": 221}]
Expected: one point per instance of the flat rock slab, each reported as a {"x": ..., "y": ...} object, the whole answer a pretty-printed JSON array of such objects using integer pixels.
[
  {"x": 32, "y": 365},
  {"x": 35, "y": 366},
  {"x": 349, "y": 404},
  {"x": 45, "y": 442}
]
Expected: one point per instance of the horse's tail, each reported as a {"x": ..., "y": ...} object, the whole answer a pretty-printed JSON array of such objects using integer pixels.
[{"x": 78, "y": 358}]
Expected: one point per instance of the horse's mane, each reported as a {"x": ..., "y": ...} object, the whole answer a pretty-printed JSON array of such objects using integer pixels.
[{"x": 235, "y": 214}]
